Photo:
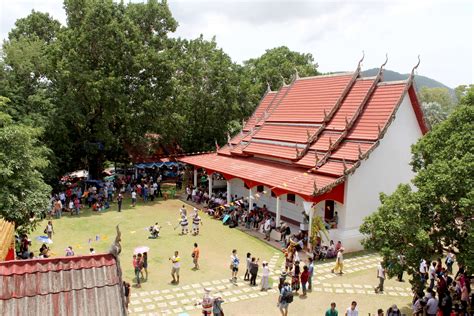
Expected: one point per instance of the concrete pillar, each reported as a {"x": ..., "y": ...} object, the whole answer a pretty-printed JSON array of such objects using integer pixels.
[
  {"x": 278, "y": 211},
  {"x": 209, "y": 177},
  {"x": 229, "y": 193},
  {"x": 195, "y": 177}
]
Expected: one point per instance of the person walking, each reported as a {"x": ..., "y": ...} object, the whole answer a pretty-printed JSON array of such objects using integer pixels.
[
  {"x": 136, "y": 267},
  {"x": 234, "y": 265},
  {"x": 381, "y": 276},
  {"x": 352, "y": 310},
  {"x": 339, "y": 262},
  {"x": 145, "y": 265},
  {"x": 247, "y": 271},
  {"x": 126, "y": 293},
  {"x": 265, "y": 276},
  {"x": 295, "y": 279},
  {"x": 195, "y": 256},
  {"x": 285, "y": 298},
  {"x": 304, "y": 279},
  {"x": 119, "y": 201},
  {"x": 196, "y": 222},
  {"x": 49, "y": 230},
  {"x": 332, "y": 311},
  {"x": 311, "y": 273},
  {"x": 176, "y": 264},
  {"x": 253, "y": 271},
  {"x": 217, "y": 306},
  {"x": 432, "y": 274},
  {"x": 207, "y": 303},
  {"x": 134, "y": 198}
]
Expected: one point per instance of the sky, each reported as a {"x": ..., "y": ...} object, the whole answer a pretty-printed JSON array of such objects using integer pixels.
[{"x": 334, "y": 32}]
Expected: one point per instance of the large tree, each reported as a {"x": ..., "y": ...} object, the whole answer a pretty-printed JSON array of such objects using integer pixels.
[
  {"x": 438, "y": 215},
  {"x": 112, "y": 76},
  {"x": 437, "y": 104},
  {"x": 24, "y": 195},
  {"x": 205, "y": 100}
]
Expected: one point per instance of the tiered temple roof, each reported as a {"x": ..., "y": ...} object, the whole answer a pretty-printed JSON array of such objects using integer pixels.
[{"x": 310, "y": 135}]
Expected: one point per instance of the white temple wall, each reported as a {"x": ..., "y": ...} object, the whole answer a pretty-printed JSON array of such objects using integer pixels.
[{"x": 386, "y": 167}]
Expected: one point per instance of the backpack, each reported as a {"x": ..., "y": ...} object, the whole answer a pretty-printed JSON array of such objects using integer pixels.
[{"x": 287, "y": 295}]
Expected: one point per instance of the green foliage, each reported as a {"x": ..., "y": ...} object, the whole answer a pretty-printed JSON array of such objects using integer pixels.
[
  {"x": 24, "y": 195},
  {"x": 36, "y": 25},
  {"x": 112, "y": 78},
  {"x": 438, "y": 215},
  {"x": 205, "y": 97},
  {"x": 437, "y": 104}
]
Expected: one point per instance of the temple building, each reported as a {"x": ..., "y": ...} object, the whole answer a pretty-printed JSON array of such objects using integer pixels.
[{"x": 322, "y": 145}]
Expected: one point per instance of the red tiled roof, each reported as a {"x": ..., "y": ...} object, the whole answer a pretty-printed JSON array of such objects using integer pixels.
[
  {"x": 285, "y": 133},
  {"x": 350, "y": 105},
  {"x": 322, "y": 143},
  {"x": 350, "y": 150},
  {"x": 257, "y": 114},
  {"x": 309, "y": 97},
  {"x": 377, "y": 112},
  {"x": 274, "y": 175},
  {"x": 353, "y": 113},
  {"x": 309, "y": 160},
  {"x": 334, "y": 168},
  {"x": 284, "y": 152},
  {"x": 82, "y": 285}
]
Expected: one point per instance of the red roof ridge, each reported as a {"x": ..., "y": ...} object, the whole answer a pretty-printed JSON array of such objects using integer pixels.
[
  {"x": 346, "y": 73},
  {"x": 387, "y": 83}
]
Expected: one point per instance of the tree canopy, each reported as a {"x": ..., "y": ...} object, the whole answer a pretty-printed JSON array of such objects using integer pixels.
[
  {"x": 438, "y": 215},
  {"x": 24, "y": 196},
  {"x": 437, "y": 104}
]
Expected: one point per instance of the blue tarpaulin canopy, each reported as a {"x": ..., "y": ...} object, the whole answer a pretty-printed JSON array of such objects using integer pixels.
[{"x": 156, "y": 164}]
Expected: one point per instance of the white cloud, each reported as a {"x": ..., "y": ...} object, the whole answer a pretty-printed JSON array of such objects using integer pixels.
[{"x": 335, "y": 32}]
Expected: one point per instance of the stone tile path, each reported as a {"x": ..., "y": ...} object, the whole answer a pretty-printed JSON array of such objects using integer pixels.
[{"x": 182, "y": 299}]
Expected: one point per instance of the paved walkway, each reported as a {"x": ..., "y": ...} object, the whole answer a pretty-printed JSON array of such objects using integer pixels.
[{"x": 182, "y": 299}]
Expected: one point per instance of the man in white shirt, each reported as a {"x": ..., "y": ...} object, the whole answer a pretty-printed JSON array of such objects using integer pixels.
[
  {"x": 423, "y": 271},
  {"x": 267, "y": 228},
  {"x": 381, "y": 276},
  {"x": 432, "y": 274},
  {"x": 234, "y": 265},
  {"x": 134, "y": 198},
  {"x": 432, "y": 306},
  {"x": 352, "y": 310}
]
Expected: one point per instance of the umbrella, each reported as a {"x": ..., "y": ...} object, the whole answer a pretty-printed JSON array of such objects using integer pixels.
[
  {"x": 44, "y": 239},
  {"x": 141, "y": 249},
  {"x": 225, "y": 219}
]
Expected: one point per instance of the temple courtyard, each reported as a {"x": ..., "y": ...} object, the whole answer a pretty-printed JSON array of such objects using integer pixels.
[{"x": 158, "y": 296}]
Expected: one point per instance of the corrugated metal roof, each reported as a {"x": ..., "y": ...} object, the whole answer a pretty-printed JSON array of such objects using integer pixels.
[
  {"x": 285, "y": 133},
  {"x": 307, "y": 99},
  {"x": 377, "y": 112},
  {"x": 82, "y": 285}
]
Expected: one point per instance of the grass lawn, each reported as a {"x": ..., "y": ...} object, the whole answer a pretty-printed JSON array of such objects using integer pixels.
[{"x": 215, "y": 241}]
